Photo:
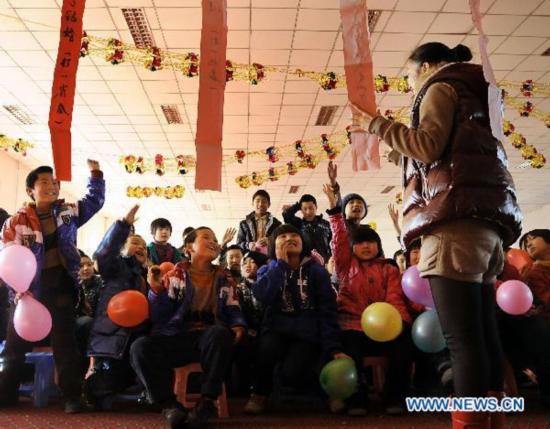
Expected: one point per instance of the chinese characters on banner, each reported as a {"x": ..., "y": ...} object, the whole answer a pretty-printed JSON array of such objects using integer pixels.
[
  {"x": 359, "y": 79},
  {"x": 208, "y": 141},
  {"x": 64, "y": 84}
]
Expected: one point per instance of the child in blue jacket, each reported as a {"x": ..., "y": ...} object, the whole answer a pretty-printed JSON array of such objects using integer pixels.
[
  {"x": 300, "y": 321},
  {"x": 196, "y": 318},
  {"x": 48, "y": 227}
]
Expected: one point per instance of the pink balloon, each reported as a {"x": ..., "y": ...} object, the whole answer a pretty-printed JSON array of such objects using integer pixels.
[
  {"x": 32, "y": 320},
  {"x": 416, "y": 288},
  {"x": 514, "y": 297},
  {"x": 17, "y": 267}
]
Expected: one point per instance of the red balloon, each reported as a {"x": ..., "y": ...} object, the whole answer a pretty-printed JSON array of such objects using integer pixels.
[
  {"x": 519, "y": 258},
  {"x": 166, "y": 267},
  {"x": 128, "y": 308}
]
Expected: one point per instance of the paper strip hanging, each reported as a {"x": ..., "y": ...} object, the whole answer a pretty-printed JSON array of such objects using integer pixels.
[
  {"x": 64, "y": 85},
  {"x": 359, "y": 78},
  {"x": 211, "y": 95}
]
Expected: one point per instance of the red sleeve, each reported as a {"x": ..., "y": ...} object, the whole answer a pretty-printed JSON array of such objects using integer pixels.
[
  {"x": 394, "y": 293},
  {"x": 341, "y": 250}
]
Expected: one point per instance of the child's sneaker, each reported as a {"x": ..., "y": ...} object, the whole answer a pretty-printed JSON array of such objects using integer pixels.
[{"x": 256, "y": 404}]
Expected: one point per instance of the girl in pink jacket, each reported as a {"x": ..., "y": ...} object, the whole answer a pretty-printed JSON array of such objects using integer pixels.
[{"x": 367, "y": 277}]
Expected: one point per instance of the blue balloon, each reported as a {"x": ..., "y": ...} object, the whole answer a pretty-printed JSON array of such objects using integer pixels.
[{"x": 427, "y": 334}]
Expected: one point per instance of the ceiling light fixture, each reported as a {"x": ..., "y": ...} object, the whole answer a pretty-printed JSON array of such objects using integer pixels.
[
  {"x": 19, "y": 114},
  {"x": 139, "y": 27},
  {"x": 171, "y": 113}
]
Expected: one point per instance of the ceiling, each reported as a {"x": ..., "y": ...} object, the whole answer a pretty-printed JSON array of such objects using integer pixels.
[{"x": 117, "y": 108}]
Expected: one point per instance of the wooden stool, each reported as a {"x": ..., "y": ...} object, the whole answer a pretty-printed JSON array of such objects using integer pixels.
[
  {"x": 190, "y": 399},
  {"x": 379, "y": 365}
]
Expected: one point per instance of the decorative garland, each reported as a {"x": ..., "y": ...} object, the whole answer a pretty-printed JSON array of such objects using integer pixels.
[
  {"x": 305, "y": 151},
  {"x": 17, "y": 145},
  {"x": 168, "y": 192},
  {"x": 115, "y": 52},
  {"x": 528, "y": 152},
  {"x": 305, "y": 155}
]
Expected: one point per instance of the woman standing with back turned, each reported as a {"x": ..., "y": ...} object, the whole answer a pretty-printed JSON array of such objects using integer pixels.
[{"x": 460, "y": 198}]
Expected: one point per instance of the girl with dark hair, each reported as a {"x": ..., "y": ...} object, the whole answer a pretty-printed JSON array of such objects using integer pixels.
[
  {"x": 367, "y": 277},
  {"x": 300, "y": 317},
  {"x": 460, "y": 198}
]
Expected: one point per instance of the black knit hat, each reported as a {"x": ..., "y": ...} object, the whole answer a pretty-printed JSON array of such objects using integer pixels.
[
  {"x": 365, "y": 233},
  {"x": 259, "y": 258},
  {"x": 349, "y": 197}
]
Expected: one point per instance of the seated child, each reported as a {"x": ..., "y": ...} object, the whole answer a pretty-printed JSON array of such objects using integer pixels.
[
  {"x": 88, "y": 296},
  {"x": 196, "y": 318},
  {"x": 233, "y": 258},
  {"x": 365, "y": 278},
  {"x": 121, "y": 259},
  {"x": 299, "y": 325},
  {"x": 160, "y": 250},
  {"x": 530, "y": 333},
  {"x": 246, "y": 352}
]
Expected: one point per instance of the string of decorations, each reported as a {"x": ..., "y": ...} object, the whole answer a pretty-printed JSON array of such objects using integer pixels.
[
  {"x": 168, "y": 192},
  {"x": 305, "y": 156},
  {"x": 153, "y": 59},
  {"x": 306, "y": 152},
  {"x": 17, "y": 145},
  {"x": 528, "y": 152}
]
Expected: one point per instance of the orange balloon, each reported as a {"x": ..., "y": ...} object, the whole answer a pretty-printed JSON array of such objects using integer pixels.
[
  {"x": 128, "y": 308},
  {"x": 166, "y": 267},
  {"x": 519, "y": 258}
]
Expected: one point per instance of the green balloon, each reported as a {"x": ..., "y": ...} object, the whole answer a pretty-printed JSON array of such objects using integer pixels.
[{"x": 339, "y": 378}]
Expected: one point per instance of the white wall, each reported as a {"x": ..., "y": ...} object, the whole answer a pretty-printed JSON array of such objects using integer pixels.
[{"x": 13, "y": 195}]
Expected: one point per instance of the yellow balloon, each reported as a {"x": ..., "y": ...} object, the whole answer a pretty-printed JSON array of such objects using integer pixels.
[{"x": 381, "y": 322}]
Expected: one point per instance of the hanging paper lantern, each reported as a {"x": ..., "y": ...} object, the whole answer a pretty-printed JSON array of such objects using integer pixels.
[
  {"x": 331, "y": 154},
  {"x": 159, "y": 165},
  {"x": 507, "y": 128},
  {"x": 84, "y": 45},
  {"x": 116, "y": 54},
  {"x": 291, "y": 168},
  {"x": 403, "y": 84},
  {"x": 140, "y": 167},
  {"x": 229, "y": 70},
  {"x": 381, "y": 83},
  {"x": 528, "y": 151},
  {"x": 527, "y": 88},
  {"x": 190, "y": 67},
  {"x": 159, "y": 192},
  {"x": 299, "y": 148},
  {"x": 256, "y": 73},
  {"x": 179, "y": 191},
  {"x": 19, "y": 146},
  {"x": 526, "y": 109},
  {"x": 182, "y": 165},
  {"x": 257, "y": 179},
  {"x": 239, "y": 156},
  {"x": 155, "y": 62},
  {"x": 328, "y": 81},
  {"x": 129, "y": 163},
  {"x": 399, "y": 198},
  {"x": 538, "y": 161},
  {"x": 243, "y": 181},
  {"x": 272, "y": 174},
  {"x": 271, "y": 153}
]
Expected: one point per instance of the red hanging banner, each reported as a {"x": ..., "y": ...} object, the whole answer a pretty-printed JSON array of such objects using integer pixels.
[
  {"x": 359, "y": 78},
  {"x": 64, "y": 85},
  {"x": 208, "y": 141}
]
